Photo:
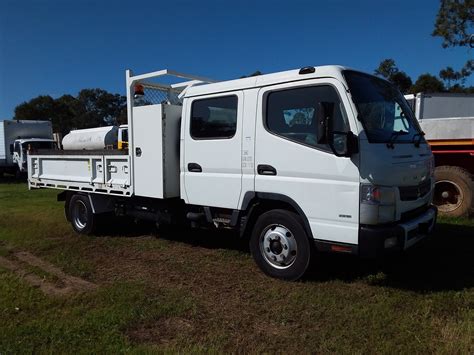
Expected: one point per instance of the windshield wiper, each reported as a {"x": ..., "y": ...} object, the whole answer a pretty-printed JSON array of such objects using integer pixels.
[
  {"x": 420, "y": 136},
  {"x": 393, "y": 138}
]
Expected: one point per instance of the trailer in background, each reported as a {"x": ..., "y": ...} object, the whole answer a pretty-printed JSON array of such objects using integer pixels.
[
  {"x": 16, "y": 137},
  {"x": 448, "y": 122}
]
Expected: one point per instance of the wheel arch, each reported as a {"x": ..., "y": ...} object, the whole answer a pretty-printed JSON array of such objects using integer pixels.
[
  {"x": 99, "y": 203},
  {"x": 256, "y": 203},
  {"x": 66, "y": 197}
]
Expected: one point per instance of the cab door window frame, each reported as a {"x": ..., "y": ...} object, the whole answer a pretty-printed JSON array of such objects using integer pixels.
[{"x": 340, "y": 105}]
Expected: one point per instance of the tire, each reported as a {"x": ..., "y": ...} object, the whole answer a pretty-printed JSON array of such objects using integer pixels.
[
  {"x": 280, "y": 245},
  {"x": 82, "y": 219},
  {"x": 453, "y": 191}
]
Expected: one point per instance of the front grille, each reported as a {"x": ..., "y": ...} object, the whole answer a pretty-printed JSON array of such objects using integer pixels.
[
  {"x": 411, "y": 193},
  {"x": 406, "y": 216}
]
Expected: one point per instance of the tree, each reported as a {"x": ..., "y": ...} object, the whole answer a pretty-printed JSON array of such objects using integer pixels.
[
  {"x": 389, "y": 70},
  {"x": 39, "y": 108},
  {"x": 449, "y": 75},
  {"x": 454, "y": 22},
  {"x": 91, "y": 108},
  {"x": 402, "y": 81},
  {"x": 427, "y": 83},
  {"x": 66, "y": 109},
  {"x": 98, "y": 108}
]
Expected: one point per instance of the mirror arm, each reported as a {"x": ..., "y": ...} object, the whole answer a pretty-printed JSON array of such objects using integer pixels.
[{"x": 353, "y": 143}]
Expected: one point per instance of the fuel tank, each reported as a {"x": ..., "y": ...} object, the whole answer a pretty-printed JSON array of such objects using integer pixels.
[{"x": 91, "y": 138}]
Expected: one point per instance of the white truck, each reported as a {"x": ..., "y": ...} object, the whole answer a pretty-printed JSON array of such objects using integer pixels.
[
  {"x": 447, "y": 119},
  {"x": 16, "y": 136},
  {"x": 314, "y": 159}
]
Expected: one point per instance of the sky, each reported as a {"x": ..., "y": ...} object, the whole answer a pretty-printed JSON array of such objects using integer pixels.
[{"x": 56, "y": 47}]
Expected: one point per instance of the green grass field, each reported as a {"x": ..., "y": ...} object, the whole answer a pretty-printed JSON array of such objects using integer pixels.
[{"x": 202, "y": 292}]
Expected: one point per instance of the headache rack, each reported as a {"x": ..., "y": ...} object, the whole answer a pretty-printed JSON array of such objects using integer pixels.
[{"x": 143, "y": 90}]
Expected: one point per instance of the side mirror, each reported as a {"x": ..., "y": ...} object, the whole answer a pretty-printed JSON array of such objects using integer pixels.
[
  {"x": 343, "y": 144},
  {"x": 11, "y": 148}
]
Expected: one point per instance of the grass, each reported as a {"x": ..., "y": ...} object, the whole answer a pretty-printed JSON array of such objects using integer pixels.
[{"x": 202, "y": 292}]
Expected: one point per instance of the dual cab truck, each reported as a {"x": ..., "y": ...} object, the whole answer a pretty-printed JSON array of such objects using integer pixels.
[{"x": 315, "y": 159}]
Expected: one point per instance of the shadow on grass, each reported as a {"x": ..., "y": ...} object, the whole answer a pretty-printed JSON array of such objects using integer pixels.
[
  {"x": 440, "y": 263},
  {"x": 12, "y": 179},
  {"x": 205, "y": 238}
]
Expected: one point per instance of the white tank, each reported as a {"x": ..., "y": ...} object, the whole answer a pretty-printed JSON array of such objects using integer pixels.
[{"x": 91, "y": 138}]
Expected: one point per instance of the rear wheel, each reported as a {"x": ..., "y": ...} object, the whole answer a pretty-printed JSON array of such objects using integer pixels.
[
  {"x": 81, "y": 215},
  {"x": 453, "y": 191},
  {"x": 280, "y": 245}
]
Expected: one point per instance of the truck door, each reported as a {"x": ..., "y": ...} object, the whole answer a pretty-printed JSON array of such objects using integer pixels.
[
  {"x": 292, "y": 157},
  {"x": 17, "y": 153},
  {"x": 212, "y": 150}
]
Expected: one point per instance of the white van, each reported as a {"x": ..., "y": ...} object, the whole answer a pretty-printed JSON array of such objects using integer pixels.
[{"x": 316, "y": 159}]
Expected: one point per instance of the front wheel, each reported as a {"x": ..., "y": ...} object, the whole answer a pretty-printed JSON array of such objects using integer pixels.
[{"x": 280, "y": 245}]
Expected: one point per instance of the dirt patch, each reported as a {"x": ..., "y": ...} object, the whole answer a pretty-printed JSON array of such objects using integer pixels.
[
  {"x": 64, "y": 284},
  {"x": 163, "y": 331},
  {"x": 228, "y": 292}
]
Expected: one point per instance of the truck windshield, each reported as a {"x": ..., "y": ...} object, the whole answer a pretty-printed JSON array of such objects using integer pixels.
[
  {"x": 382, "y": 109},
  {"x": 38, "y": 145}
]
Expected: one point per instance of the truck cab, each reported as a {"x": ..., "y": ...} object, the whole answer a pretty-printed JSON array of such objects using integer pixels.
[
  {"x": 20, "y": 148},
  {"x": 122, "y": 139},
  {"x": 340, "y": 147}
]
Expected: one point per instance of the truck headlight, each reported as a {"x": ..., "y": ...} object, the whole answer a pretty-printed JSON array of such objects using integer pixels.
[
  {"x": 370, "y": 194},
  {"x": 377, "y": 204}
]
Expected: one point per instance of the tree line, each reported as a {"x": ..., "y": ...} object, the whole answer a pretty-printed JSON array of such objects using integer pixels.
[
  {"x": 449, "y": 80},
  {"x": 89, "y": 108}
]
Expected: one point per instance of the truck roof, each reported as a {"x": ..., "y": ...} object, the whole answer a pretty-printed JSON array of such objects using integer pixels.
[
  {"x": 12, "y": 121},
  {"x": 23, "y": 140},
  {"x": 333, "y": 71},
  {"x": 444, "y": 94}
]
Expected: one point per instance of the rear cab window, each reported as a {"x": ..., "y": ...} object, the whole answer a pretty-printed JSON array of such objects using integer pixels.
[{"x": 214, "y": 118}]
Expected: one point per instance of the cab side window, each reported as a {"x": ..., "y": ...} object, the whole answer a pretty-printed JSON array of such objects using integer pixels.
[
  {"x": 214, "y": 118},
  {"x": 305, "y": 114}
]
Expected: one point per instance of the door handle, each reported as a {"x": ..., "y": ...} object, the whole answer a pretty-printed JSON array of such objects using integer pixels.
[
  {"x": 138, "y": 151},
  {"x": 266, "y": 170},
  {"x": 194, "y": 168}
]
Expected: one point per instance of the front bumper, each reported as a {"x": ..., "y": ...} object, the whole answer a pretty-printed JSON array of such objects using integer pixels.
[{"x": 376, "y": 241}]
